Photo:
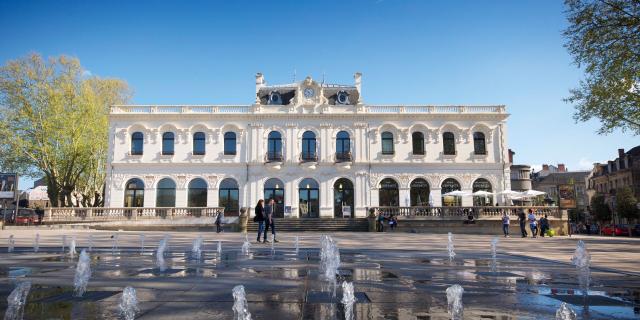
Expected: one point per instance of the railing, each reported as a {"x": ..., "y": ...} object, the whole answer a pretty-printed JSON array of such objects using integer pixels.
[
  {"x": 72, "y": 214},
  {"x": 273, "y": 157},
  {"x": 343, "y": 156},
  {"x": 480, "y": 212},
  {"x": 308, "y": 157},
  {"x": 181, "y": 109}
]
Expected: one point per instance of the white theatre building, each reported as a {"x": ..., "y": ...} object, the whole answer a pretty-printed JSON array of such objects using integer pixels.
[{"x": 318, "y": 149}]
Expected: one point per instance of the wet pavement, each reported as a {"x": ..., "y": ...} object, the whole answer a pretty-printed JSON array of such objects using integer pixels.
[{"x": 389, "y": 283}]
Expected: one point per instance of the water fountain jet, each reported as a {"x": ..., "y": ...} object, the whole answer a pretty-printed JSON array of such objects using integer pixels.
[
  {"x": 329, "y": 261},
  {"x": 129, "y": 304},
  {"x": 17, "y": 300},
  {"x": 141, "y": 244},
  {"x": 36, "y": 243},
  {"x": 160, "y": 262},
  {"x": 83, "y": 273},
  {"x": 240, "y": 305},
  {"x": 454, "y": 302},
  {"x": 494, "y": 249},
  {"x": 565, "y": 313},
  {"x": 582, "y": 260},
  {"x": 348, "y": 300},
  {"x": 12, "y": 244},
  {"x": 196, "y": 248},
  {"x": 72, "y": 247},
  {"x": 450, "y": 247}
]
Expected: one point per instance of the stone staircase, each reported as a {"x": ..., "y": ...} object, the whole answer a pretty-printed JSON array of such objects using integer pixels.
[{"x": 316, "y": 225}]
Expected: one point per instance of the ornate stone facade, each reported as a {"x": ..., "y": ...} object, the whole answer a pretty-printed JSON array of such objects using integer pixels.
[{"x": 292, "y": 110}]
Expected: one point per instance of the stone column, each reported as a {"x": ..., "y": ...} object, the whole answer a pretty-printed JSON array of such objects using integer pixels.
[
  {"x": 436, "y": 194},
  {"x": 467, "y": 201}
]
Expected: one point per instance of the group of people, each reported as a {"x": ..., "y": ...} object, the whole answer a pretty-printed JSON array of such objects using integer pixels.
[
  {"x": 540, "y": 226},
  {"x": 265, "y": 219},
  {"x": 392, "y": 220}
]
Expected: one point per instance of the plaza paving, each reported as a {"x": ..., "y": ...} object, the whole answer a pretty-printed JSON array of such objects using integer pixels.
[{"x": 395, "y": 275}]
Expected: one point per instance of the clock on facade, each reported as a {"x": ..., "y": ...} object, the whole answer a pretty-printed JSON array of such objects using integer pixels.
[{"x": 309, "y": 92}]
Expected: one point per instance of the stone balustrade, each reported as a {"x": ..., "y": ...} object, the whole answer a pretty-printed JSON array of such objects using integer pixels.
[
  {"x": 75, "y": 214},
  {"x": 455, "y": 213}
]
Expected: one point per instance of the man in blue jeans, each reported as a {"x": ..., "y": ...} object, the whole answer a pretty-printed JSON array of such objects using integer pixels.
[{"x": 270, "y": 221}]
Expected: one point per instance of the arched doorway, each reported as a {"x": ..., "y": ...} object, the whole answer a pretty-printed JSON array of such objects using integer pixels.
[
  {"x": 134, "y": 193},
  {"x": 419, "y": 192},
  {"x": 388, "y": 193},
  {"x": 197, "y": 194},
  {"x": 309, "y": 198},
  {"x": 229, "y": 196},
  {"x": 274, "y": 189},
  {"x": 166, "y": 193},
  {"x": 482, "y": 185},
  {"x": 447, "y": 186},
  {"x": 342, "y": 197}
]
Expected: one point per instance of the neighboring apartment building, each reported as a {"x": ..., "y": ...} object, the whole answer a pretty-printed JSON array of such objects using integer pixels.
[
  {"x": 555, "y": 180},
  {"x": 624, "y": 171},
  {"x": 314, "y": 148}
]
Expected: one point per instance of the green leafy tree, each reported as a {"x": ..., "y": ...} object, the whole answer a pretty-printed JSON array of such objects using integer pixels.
[
  {"x": 626, "y": 203},
  {"x": 604, "y": 38},
  {"x": 600, "y": 209},
  {"x": 53, "y": 120}
]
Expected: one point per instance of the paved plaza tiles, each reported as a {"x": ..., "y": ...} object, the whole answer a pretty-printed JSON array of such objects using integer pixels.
[{"x": 395, "y": 276}]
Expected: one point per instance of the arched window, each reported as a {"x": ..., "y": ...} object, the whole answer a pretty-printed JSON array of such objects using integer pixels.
[
  {"x": 137, "y": 142},
  {"x": 166, "y": 193},
  {"x": 343, "y": 146},
  {"x": 449, "y": 143},
  {"x": 197, "y": 193},
  {"x": 309, "y": 195},
  {"x": 274, "y": 146},
  {"x": 167, "y": 143},
  {"x": 274, "y": 189},
  {"x": 482, "y": 185},
  {"x": 198, "y": 143},
  {"x": 134, "y": 193},
  {"x": 229, "y": 196},
  {"x": 449, "y": 185},
  {"x": 388, "y": 193},
  {"x": 479, "y": 146},
  {"x": 419, "y": 193},
  {"x": 387, "y": 142},
  {"x": 417, "y": 138},
  {"x": 308, "y": 146},
  {"x": 230, "y": 143}
]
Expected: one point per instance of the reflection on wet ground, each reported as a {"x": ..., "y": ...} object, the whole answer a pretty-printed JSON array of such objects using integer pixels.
[{"x": 389, "y": 284}]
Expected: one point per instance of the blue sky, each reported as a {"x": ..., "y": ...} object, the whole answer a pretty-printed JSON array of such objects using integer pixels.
[{"x": 413, "y": 52}]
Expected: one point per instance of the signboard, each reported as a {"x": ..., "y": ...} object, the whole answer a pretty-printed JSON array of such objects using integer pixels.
[
  {"x": 567, "y": 194},
  {"x": 346, "y": 211},
  {"x": 287, "y": 211},
  {"x": 8, "y": 185}
]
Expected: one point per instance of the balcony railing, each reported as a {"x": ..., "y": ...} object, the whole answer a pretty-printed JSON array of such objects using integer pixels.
[
  {"x": 308, "y": 157},
  {"x": 116, "y": 214},
  {"x": 273, "y": 157},
  {"x": 343, "y": 156},
  {"x": 480, "y": 212}
]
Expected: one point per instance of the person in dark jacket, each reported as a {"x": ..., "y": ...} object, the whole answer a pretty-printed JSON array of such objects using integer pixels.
[
  {"x": 522, "y": 218},
  {"x": 270, "y": 221},
  {"x": 544, "y": 225},
  {"x": 259, "y": 218}
]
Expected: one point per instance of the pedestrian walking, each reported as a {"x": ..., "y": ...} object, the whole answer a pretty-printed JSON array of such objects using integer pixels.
[
  {"x": 544, "y": 225},
  {"x": 380, "y": 222},
  {"x": 506, "y": 221},
  {"x": 522, "y": 219},
  {"x": 393, "y": 222},
  {"x": 533, "y": 224},
  {"x": 219, "y": 221},
  {"x": 270, "y": 221},
  {"x": 259, "y": 218}
]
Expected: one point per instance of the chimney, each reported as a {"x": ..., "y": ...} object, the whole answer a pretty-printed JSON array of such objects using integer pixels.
[
  {"x": 561, "y": 167},
  {"x": 357, "y": 77},
  {"x": 511, "y": 154},
  {"x": 545, "y": 167},
  {"x": 621, "y": 153}
]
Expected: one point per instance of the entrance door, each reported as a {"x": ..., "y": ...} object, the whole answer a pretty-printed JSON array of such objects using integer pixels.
[
  {"x": 342, "y": 197},
  {"x": 274, "y": 189},
  {"x": 309, "y": 205}
]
